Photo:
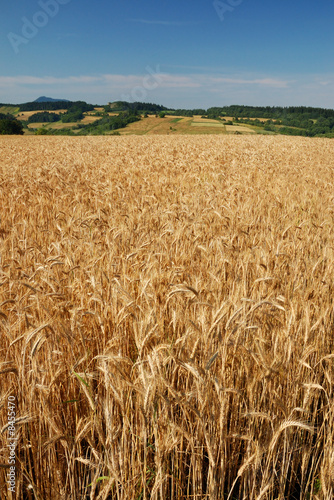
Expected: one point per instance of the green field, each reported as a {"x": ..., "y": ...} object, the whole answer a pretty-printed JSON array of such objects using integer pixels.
[{"x": 12, "y": 110}]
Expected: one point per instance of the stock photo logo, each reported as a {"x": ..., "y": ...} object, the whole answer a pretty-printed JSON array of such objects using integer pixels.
[
  {"x": 150, "y": 82},
  {"x": 40, "y": 19},
  {"x": 223, "y": 7}
]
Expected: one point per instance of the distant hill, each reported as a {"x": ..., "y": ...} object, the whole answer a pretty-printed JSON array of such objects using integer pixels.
[{"x": 50, "y": 99}]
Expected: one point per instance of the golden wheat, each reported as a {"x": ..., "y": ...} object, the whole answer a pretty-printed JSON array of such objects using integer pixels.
[{"x": 166, "y": 317}]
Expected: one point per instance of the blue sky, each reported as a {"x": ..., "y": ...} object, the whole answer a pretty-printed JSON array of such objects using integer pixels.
[{"x": 179, "y": 53}]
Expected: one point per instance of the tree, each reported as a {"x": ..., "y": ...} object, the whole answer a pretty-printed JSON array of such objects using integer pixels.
[
  {"x": 42, "y": 131},
  {"x": 44, "y": 117},
  {"x": 162, "y": 114},
  {"x": 10, "y": 126}
]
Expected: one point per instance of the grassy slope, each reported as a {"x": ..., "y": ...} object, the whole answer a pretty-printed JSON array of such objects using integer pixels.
[{"x": 12, "y": 110}]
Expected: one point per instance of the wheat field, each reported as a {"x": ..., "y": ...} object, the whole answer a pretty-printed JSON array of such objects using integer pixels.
[{"x": 166, "y": 317}]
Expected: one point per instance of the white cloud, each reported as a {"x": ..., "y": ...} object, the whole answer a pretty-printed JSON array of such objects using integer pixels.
[
  {"x": 46, "y": 80},
  {"x": 270, "y": 82},
  {"x": 165, "y": 80},
  {"x": 176, "y": 90}
]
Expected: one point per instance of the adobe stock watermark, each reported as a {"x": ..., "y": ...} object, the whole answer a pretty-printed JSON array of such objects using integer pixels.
[
  {"x": 12, "y": 443},
  {"x": 31, "y": 27},
  {"x": 150, "y": 82},
  {"x": 227, "y": 6}
]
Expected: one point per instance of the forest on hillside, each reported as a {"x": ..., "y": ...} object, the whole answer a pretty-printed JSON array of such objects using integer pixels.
[{"x": 293, "y": 120}]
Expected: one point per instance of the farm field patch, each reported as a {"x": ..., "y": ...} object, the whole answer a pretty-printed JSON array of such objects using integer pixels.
[
  {"x": 208, "y": 124},
  {"x": 25, "y": 115},
  {"x": 166, "y": 315},
  {"x": 54, "y": 125},
  {"x": 9, "y": 109}
]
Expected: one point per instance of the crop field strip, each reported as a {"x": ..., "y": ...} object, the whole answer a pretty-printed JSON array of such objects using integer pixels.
[{"x": 166, "y": 316}]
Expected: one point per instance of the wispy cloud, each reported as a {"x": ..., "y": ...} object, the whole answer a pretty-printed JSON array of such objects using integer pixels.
[
  {"x": 176, "y": 89},
  {"x": 166, "y": 80},
  {"x": 269, "y": 82},
  {"x": 46, "y": 80},
  {"x": 207, "y": 69},
  {"x": 163, "y": 23}
]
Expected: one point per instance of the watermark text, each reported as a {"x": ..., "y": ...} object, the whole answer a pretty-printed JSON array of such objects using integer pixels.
[
  {"x": 150, "y": 82},
  {"x": 12, "y": 443},
  {"x": 31, "y": 27},
  {"x": 227, "y": 6}
]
